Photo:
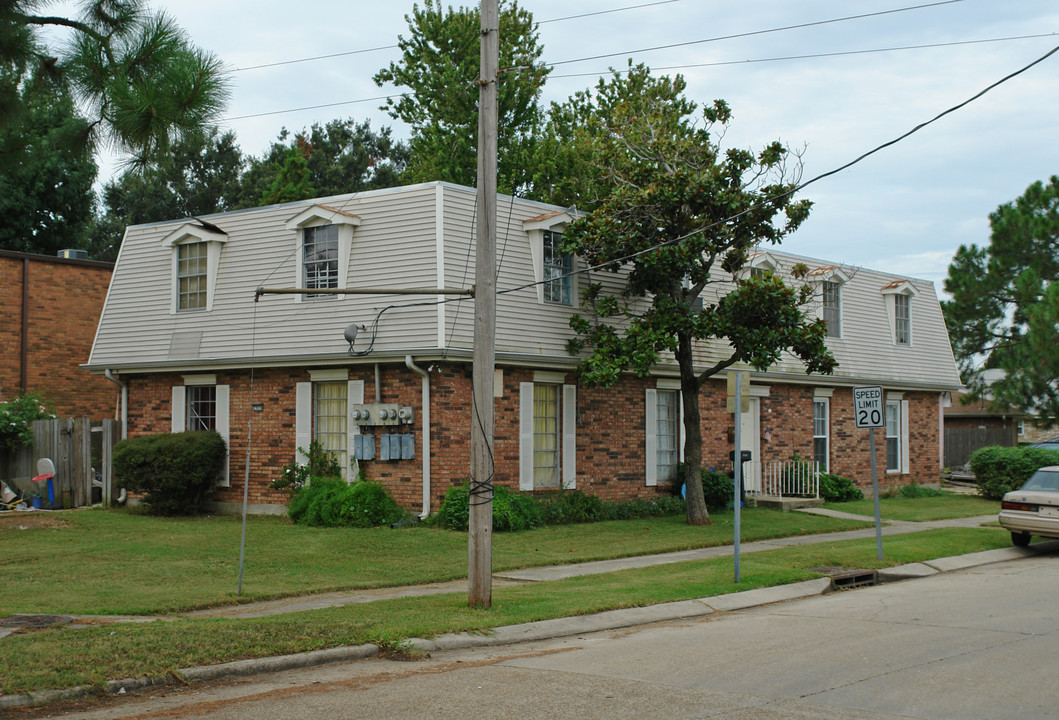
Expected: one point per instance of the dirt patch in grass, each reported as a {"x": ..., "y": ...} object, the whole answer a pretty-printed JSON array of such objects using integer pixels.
[{"x": 31, "y": 520}]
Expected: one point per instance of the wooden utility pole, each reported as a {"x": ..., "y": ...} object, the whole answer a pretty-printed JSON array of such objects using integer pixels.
[{"x": 480, "y": 524}]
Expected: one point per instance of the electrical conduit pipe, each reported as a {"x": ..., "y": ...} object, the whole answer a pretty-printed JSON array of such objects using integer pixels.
[{"x": 425, "y": 444}]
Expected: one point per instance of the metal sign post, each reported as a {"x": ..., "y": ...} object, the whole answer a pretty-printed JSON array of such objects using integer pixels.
[
  {"x": 736, "y": 382},
  {"x": 868, "y": 412}
]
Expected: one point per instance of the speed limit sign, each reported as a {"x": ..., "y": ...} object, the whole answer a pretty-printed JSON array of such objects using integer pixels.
[{"x": 868, "y": 407}]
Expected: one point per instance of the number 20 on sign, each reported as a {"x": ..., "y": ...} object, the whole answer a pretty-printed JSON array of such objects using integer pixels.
[{"x": 868, "y": 406}]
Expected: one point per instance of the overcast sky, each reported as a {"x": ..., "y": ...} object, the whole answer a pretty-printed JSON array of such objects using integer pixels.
[{"x": 903, "y": 210}]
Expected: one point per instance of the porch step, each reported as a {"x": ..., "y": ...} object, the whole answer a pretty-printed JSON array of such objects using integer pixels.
[{"x": 786, "y": 504}]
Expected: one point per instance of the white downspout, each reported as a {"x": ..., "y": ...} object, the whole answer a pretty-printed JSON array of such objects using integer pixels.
[
  {"x": 124, "y": 402},
  {"x": 425, "y": 444}
]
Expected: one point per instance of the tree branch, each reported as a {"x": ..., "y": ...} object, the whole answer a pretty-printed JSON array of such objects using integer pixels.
[
  {"x": 710, "y": 372},
  {"x": 61, "y": 21}
]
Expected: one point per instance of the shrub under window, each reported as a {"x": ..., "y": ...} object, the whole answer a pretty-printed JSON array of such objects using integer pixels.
[{"x": 175, "y": 471}]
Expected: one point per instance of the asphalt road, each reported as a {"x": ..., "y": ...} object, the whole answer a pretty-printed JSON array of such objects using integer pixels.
[{"x": 978, "y": 643}]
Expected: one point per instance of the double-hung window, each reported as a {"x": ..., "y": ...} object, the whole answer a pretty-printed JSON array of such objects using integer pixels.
[
  {"x": 201, "y": 407},
  {"x": 547, "y": 432},
  {"x": 545, "y": 435},
  {"x": 893, "y": 437},
  {"x": 820, "y": 432},
  {"x": 557, "y": 267},
  {"x": 330, "y": 409},
  {"x": 320, "y": 258},
  {"x": 667, "y": 434},
  {"x": 902, "y": 320},
  {"x": 832, "y": 308},
  {"x": 191, "y": 276}
]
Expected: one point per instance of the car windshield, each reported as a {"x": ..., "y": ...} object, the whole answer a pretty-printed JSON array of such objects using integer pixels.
[{"x": 1043, "y": 480}]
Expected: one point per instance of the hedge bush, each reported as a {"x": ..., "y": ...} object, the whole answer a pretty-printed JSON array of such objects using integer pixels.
[
  {"x": 998, "y": 470},
  {"x": 175, "y": 471},
  {"x": 516, "y": 511},
  {"x": 332, "y": 502},
  {"x": 835, "y": 488}
]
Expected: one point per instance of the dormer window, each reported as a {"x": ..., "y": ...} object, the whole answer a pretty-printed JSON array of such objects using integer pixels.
[
  {"x": 557, "y": 267},
  {"x": 196, "y": 258},
  {"x": 829, "y": 281},
  {"x": 325, "y": 236},
  {"x": 898, "y": 298},
  {"x": 757, "y": 264},
  {"x": 552, "y": 267}
]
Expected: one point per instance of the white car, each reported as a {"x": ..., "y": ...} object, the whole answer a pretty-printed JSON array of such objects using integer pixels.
[{"x": 1033, "y": 509}]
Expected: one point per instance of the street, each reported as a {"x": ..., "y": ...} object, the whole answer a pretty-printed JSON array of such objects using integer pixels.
[{"x": 977, "y": 643}]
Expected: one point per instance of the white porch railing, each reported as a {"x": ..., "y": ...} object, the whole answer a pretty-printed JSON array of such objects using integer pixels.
[{"x": 784, "y": 478}]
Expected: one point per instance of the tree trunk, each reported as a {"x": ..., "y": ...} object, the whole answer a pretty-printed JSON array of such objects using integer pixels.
[{"x": 689, "y": 394}]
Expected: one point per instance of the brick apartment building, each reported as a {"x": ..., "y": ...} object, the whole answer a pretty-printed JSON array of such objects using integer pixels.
[{"x": 196, "y": 347}]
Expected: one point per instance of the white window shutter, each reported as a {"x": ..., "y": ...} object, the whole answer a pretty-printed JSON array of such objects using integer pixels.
[
  {"x": 525, "y": 436},
  {"x": 303, "y": 420},
  {"x": 223, "y": 424},
  {"x": 904, "y": 437},
  {"x": 569, "y": 459},
  {"x": 179, "y": 409},
  {"x": 651, "y": 436}
]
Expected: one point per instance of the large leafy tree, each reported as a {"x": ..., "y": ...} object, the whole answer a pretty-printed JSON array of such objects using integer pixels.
[
  {"x": 199, "y": 176},
  {"x": 439, "y": 65},
  {"x": 341, "y": 156},
  {"x": 678, "y": 214},
  {"x": 1004, "y": 311},
  {"x": 46, "y": 200},
  {"x": 140, "y": 81}
]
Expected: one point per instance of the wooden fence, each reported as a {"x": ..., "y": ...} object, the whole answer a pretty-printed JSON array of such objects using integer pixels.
[
  {"x": 960, "y": 442},
  {"x": 80, "y": 449}
]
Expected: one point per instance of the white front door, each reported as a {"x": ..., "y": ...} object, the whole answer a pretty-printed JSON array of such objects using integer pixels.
[{"x": 750, "y": 439}]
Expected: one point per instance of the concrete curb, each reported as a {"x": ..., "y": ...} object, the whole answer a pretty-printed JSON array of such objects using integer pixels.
[{"x": 526, "y": 632}]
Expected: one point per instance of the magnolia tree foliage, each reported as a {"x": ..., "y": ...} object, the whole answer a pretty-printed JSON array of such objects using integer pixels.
[
  {"x": 1004, "y": 310},
  {"x": 138, "y": 78},
  {"x": 679, "y": 216},
  {"x": 439, "y": 65}
]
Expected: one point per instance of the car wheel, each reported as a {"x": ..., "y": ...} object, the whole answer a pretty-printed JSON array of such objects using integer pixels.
[{"x": 1019, "y": 539}]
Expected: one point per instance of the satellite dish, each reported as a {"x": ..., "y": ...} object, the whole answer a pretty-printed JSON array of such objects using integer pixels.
[{"x": 350, "y": 333}]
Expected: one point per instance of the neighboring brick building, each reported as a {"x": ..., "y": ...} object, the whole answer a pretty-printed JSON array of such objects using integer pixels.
[
  {"x": 183, "y": 327},
  {"x": 49, "y": 310}
]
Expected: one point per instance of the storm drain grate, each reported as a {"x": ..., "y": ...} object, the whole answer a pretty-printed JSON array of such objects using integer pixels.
[
  {"x": 35, "y": 621},
  {"x": 846, "y": 578}
]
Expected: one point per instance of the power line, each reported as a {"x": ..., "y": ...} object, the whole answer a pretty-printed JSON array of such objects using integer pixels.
[
  {"x": 811, "y": 56},
  {"x": 752, "y": 33},
  {"x": 393, "y": 47},
  {"x": 687, "y": 67}
]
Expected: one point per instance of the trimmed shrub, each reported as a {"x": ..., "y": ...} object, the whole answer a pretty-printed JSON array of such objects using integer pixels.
[
  {"x": 835, "y": 488},
  {"x": 717, "y": 489},
  {"x": 332, "y": 502},
  {"x": 571, "y": 506},
  {"x": 511, "y": 511},
  {"x": 998, "y": 470},
  {"x": 660, "y": 506},
  {"x": 175, "y": 471}
]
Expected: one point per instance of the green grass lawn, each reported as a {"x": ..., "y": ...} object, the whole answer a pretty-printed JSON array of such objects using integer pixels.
[
  {"x": 68, "y": 657},
  {"x": 120, "y": 562},
  {"x": 949, "y": 505}
]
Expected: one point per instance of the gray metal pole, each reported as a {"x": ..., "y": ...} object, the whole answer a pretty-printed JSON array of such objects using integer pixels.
[
  {"x": 875, "y": 493},
  {"x": 480, "y": 524},
  {"x": 738, "y": 485}
]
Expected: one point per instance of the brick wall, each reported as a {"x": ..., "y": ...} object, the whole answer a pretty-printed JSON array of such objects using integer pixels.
[
  {"x": 610, "y": 435},
  {"x": 64, "y": 304}
]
